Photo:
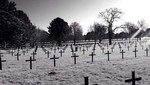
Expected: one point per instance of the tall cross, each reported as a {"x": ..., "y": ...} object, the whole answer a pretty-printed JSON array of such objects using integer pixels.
[
  {"x": 83, "y": 51},
  {"x": 108, "y": 53},
  {"x": 48, "y": 53},
  {"x": 135, "y": 51},
  {"x": 86, "y": 81},
  {"x": 133, "y": 79},
  {"x": 92, "y": 54},
  {"x": 61, "y": 52},
  {"x": 128, "y": 47},
  {"x": 146, "y": 51},
  {"x": 1, "y": 63},
  {"x": 75, "y": 56},
  {"x": 122, "y": 52},
  {"x": 54, "y": 58},
  {"x": 120, "y": 47},
  {"x": 12, "y": 52},
  {"x": 31, "y": 62},
  {"x": 33, "y": 54},
  {"x": 18, "y": 56}
]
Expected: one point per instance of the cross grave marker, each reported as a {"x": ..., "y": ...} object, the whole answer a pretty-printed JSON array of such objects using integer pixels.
[
  {"x": 54, "y": 58},
  {"x": 108, "y": 53},
  {"x": 92, "y": 54},
  {"x": 31, "y": 60},
  {"x": 135, "y": 51},
  {"x": 47, "y": 54},
  {"x": 146, "y": 51},
  {"x": 61, "y": 52},
  {"x": 1, "y": 63},
  {"x": 86, "y": 81},
  {"x": 18, "y": 56},
  {"x": 33, "y": 54},
  {"x": 75, "y": 56},
  {"x": 12, "y": 52},
  {"x": 133, "y": 79},
  {"x": 122, "y": 52},
  {"x": 83, "y": 51}
]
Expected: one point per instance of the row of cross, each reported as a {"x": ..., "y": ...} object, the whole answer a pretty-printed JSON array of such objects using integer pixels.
[{"x": 132, "y": 80}]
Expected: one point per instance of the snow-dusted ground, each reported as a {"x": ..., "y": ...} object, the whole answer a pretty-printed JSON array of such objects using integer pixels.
[{"x": 101, "y": 71}]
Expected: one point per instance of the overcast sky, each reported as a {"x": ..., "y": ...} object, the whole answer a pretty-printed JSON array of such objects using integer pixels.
[{"x": 85, "y": 12}]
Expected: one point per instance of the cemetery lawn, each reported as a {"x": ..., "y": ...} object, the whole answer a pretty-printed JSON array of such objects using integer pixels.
[{"x": 101, "y": 71}]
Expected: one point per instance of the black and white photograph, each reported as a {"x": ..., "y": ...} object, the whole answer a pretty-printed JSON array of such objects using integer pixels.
[{"x": 74, "y": 42}]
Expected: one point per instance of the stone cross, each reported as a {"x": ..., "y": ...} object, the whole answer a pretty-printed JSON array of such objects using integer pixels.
[
  {"x": 31, "y": 62},
  {"x": 135, "y": 51},
  {"x": 86, "y": 81},
  {"x": 108, "y": 53},
  {"x": 12, "y": 52},
  {"x": 1, "y": 63},
  {"x": 48, "y": 53},
  {"x": 75, "y": 56},
  {"x": 33, "y": 54},
  {"x": 61, "y": 52},
  {"x": 54, "y": 58},
  {"x": 128, "y": 47},
  {"x": 92, "y": 54},
  {"x": 133, "y": 79},
  {"x": 146, "y": 51},
  {"x": 83, "y": 51},
  {"x": 18, "y": 56},
  {"x": 122, "y": 52}
]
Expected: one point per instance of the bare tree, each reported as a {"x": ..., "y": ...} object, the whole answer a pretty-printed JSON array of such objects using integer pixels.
[
  {"x": 110, "y": 16},
  {"x": 76, "y": 31}
]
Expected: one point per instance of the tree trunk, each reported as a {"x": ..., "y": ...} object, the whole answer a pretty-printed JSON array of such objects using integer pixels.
[
  {"x": 74, "y": 40},
  {"x": 110, "y": 34}
]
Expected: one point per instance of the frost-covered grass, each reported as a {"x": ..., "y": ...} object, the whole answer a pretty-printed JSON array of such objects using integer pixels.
[{"x": 101, "y": 71}]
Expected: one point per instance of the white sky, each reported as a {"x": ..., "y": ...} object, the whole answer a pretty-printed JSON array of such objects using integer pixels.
[{"x": 85, "y": 12}]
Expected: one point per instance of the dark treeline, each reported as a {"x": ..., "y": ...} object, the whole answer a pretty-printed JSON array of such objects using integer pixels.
[{"x": 15, "y": 26}]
